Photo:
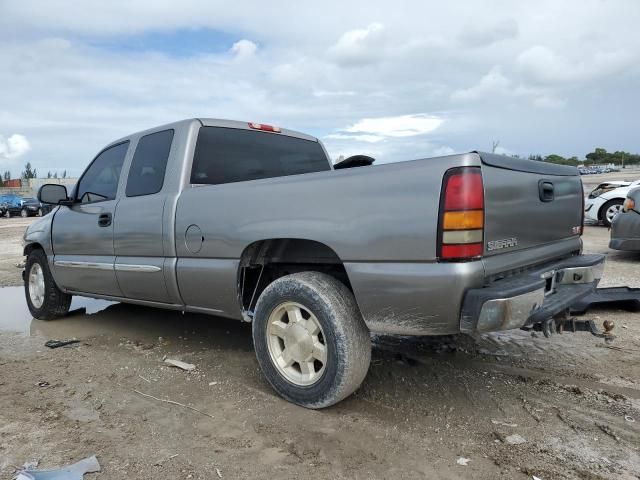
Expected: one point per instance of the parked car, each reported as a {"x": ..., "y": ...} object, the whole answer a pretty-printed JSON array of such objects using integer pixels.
[
  {"x": 26, "y": 207},
  {"x": 252, "y": 222},
  {"x": 605, "y": 201},
  {"x": 625, "y": 229},
  {"x": 3, "y": 209}
]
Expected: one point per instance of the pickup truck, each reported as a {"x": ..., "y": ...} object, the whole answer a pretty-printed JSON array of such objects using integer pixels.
[{"x": 253, "y": 222}]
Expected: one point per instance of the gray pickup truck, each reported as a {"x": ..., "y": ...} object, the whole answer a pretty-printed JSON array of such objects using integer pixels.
[{"x": 253, "y": 222}]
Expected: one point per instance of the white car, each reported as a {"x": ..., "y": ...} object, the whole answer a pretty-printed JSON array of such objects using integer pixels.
[{"x": 605, "y": 201}]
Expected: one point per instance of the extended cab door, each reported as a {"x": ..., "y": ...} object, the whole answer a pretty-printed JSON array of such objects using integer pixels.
[
  {"x": 140, "y": 225},
  {"x": 82, "y": 234}
]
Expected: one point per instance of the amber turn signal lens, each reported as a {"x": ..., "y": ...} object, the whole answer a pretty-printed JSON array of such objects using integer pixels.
[
  {"x": 467, "y": 220},
  {"x": 629, "y": 204}
]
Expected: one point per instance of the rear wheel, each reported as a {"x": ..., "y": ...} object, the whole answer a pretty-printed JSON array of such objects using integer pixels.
[
  {"x": 609, "y": 210},
  {"x": 44, "y": 299},
  {"x": 7, "y": 214},
  {"x": 24, "y": 213},
  {"x": 40, "y": 212},
  {"x": 310, "y": 339}
]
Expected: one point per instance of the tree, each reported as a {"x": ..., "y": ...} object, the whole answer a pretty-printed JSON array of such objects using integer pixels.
[
  {"x": 28, "y": 172},
  {"x": 7, "y": 175},
  {"x": 48, "y": 174},
  {"x": 55, "y": 175},
  {"x": 494, "y": 145},
  {"x": 64, "y": 174}
]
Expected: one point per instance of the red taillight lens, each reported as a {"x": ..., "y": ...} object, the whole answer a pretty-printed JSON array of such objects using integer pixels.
[
  {"x": 464, "y": 191},
  {"x": 461, "y": 229}
]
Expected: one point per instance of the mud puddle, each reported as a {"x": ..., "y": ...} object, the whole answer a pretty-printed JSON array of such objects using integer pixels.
[{"x": 114, "y": 321}]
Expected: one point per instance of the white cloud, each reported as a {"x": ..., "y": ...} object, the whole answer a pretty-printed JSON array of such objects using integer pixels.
[
  {"x": 543, "y": 65},
  {"x": 244, "y": 49},
  {"x": 490, "y": 84},
  {"x": 400, "y": 126},
  {"x": 482, "y": 35},
  {"x": 359, "y": 138},
  {"x": 360, "y": 46},
  {"x": 443, "y": 151},
  {"x": 70, "y": 83},
  {"x": 13, "y": 147}
]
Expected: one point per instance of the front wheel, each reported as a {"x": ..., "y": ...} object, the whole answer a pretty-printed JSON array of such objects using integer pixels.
[
  {"x": 310, "y": 339},
  {"x": 44, "y": 299},
  {"x": 609, "y": 210},
  {"x": 24, "y": 213}
]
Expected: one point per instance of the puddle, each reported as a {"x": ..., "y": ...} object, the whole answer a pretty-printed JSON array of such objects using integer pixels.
[
  {"x": 115, "y": 321},
  {"x": 17, "y": 319}
]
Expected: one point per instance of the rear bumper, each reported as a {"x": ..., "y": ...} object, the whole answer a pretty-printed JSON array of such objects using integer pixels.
[
  {"x": 625, "y": 232},
  {"x": 532, "y": 297}
]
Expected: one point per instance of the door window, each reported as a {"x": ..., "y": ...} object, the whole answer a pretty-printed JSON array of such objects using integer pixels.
[
  {"x": 146, "y": 175},
  {"x": 100, "y": 180}
]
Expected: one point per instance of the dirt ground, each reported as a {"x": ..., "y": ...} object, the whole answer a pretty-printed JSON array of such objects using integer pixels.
[{"x": 516, "y": 406}]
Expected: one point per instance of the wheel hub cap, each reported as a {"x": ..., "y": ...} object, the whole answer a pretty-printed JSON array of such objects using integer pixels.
[
  {"x": 296, "y": 344},
  {"x": 36, "y": 285}
]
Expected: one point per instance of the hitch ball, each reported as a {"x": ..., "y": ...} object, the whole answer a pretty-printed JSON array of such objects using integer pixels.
[{"x": 608, "y": 326}]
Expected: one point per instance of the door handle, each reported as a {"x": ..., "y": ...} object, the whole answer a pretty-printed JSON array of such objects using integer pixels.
[
  {"x": 546, "y": 191},
  {"x": 104, "y": 220}
]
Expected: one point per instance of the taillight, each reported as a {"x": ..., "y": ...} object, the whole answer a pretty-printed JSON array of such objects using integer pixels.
[
  {"x": 461, "y": 227},
  {"x": 629, "y": 204},
  {"x": 582, "y": 219}
]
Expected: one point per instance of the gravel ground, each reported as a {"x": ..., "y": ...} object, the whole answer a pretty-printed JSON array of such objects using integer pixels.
[{"x": 514, "y": 404}]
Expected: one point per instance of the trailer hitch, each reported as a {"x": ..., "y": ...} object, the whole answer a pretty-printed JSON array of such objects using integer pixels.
[{"x": 564, "y": 323}]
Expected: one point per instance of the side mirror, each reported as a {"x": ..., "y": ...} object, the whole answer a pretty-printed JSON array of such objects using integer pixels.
[{"x": 54, "y": 194}]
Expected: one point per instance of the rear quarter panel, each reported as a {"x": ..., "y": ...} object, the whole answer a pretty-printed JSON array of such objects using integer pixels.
[{"x": 378, "y": 215}]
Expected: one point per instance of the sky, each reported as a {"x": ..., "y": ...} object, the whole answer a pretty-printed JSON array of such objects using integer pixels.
[{"x": 395, "y": 80}]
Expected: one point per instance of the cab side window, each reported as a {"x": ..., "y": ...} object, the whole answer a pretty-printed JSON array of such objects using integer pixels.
[
  {"x": 146, "y": 175},
  {"x": 100, "y": 181}
]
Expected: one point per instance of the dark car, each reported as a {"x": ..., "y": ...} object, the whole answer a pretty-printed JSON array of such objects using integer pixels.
[
  {"x": 27, "y": 207},
  {"x": 3, "y": 209},
  {"x": 625, "y": 229}
]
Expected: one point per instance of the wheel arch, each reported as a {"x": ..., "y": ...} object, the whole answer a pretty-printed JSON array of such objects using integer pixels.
[
  {"x": 605, "y": 202},
  {"x": 30, "y": 247},
  {"x": 266, "y": 260}
]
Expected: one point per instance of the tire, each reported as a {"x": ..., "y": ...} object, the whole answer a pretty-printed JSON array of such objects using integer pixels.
[
  {"x": 7, "y": 214},
  {"x": 39, "y": 214},
  {"x": 343, "y": 332},
  {"x": 616, "y": 203},
  {"x": 24, "y": 213},
  {"x": 53, "y": 303}
]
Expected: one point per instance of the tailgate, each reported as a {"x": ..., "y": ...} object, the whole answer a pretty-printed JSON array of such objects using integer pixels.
[{"x": 529, "y": 203}]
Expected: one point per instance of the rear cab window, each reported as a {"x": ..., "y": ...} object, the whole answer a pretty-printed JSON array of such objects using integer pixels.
[
  {"x": 146, "y": 175},
  {"x": 228, "y": 155}
]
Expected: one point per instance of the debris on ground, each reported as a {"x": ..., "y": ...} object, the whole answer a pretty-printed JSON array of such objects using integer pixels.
[
  {"x": 160, "y": 462},
  {"x": 629, "y": 419},
  {"x": 61, "y": 343},
  {"x": 178, "y": 364},
  {"x": 71, "y": 472},
  {"x": 606, "y": 429},
  {"x": 514, "y": 439},
  {"x": 219, "y": 473},
  {"x": 463, "y": 461},
  {"x": 504, "y": 424},
  {"x": 173, "y": 402},
  {"x": 43, "y": 384}
]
